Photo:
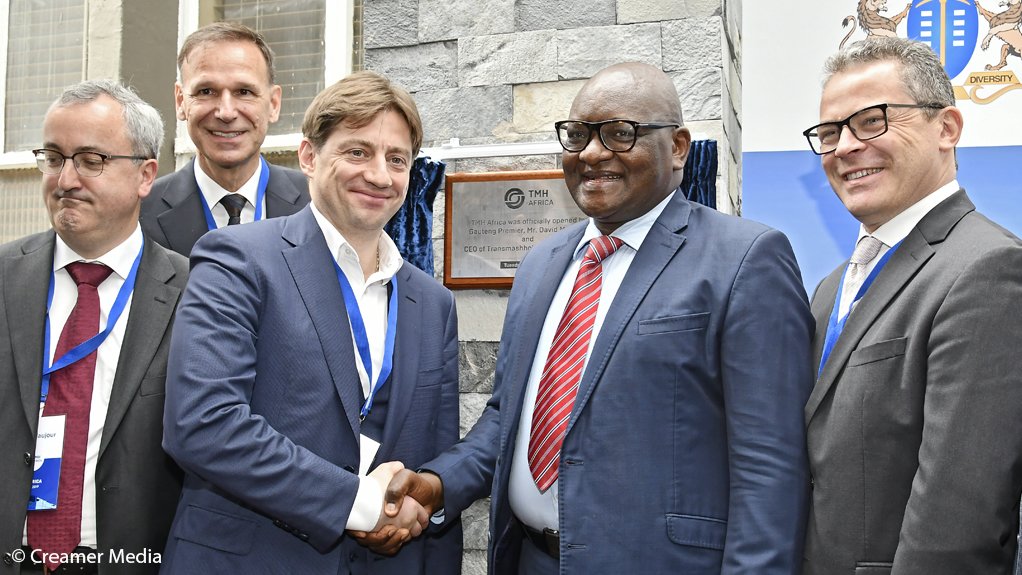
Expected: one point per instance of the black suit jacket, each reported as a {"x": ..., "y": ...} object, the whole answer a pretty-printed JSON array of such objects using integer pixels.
[
  {"x": 137, "y": 484},
  {"x": 172, "y": 213}
]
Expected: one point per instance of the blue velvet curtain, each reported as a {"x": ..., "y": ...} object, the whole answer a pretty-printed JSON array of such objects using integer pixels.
[
  {"x": 700, "y": 179},
  {"x": 412, "y": 225}
]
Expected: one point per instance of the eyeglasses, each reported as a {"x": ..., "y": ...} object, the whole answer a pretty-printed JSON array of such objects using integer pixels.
[
  {"x": 88, "y": 164},
  {"x": 866, "y": 124},
  {"x": 616, "y": 135}
]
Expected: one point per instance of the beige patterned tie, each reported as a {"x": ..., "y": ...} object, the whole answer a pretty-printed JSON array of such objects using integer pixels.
[{"x": 865, "y": 251}]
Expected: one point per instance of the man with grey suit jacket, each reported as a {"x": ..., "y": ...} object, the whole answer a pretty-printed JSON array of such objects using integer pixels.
[
  {"x": 85, "y": 321},
  {"x": 227, "y": 97},
  {"x": 914, "y": 437}
]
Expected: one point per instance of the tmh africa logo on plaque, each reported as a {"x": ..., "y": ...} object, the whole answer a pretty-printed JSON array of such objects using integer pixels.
[{"x": 979, "y": 45}]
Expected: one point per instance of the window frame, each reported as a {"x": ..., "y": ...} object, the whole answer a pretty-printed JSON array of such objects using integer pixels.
[{"x": 18, "y": 160}]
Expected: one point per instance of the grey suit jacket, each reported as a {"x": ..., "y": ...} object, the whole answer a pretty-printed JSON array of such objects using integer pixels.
[
  {"x": 913, "y": 428},
  {"x": 172, "y": 212},
  {"x": 137, "y": 484}
]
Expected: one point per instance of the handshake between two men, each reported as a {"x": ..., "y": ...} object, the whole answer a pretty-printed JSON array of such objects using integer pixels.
[{"x": 409, "y": 500}]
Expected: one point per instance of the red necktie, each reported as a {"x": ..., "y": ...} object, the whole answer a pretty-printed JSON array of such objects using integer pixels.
[
  {"x": 563, "y": 370},
  {"x": 59, "y": 530}
]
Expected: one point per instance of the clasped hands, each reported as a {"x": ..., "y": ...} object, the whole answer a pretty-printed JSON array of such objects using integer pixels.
[{"x": 409, "y": 500}]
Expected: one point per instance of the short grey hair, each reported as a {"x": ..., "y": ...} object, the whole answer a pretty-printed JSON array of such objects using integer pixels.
[
  {"x": 921, "y": 71},
  {"x": 142, "y": 121}
]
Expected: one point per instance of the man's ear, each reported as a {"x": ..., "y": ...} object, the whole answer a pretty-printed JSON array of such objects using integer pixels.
[
  {"x": 307, "y": 157},
  {"x": 275, "y": 95},
  {"x": 179, "y": 101},
  {"x": 951, "y": 123},
  {"x": 682, "y": 140}
]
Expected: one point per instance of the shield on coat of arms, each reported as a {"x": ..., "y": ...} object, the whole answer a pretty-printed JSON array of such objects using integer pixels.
[{"x": 950, "y": 27}]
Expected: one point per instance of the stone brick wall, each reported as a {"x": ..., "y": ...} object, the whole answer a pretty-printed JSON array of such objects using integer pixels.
[{"x": 502, "y": 71}]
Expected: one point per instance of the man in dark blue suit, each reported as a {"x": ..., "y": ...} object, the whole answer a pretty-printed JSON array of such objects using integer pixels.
[
  {"x": 306, "y": 352},
  {"x": 676, "y": 443}
]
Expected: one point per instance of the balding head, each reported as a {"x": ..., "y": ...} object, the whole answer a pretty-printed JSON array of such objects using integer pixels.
[
  {"x": 633, "y": 86},
  {"x": 625, "y": 147}
]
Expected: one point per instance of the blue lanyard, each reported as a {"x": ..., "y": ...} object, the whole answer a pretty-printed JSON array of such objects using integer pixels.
[
  {"x": 837, "y": 324},
  {"x": 358, "y": 329},
  {"x": 264, "y": 178},
  {"x": 90, "y": 345}
]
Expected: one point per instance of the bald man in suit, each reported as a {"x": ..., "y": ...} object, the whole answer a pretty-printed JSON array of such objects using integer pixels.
[{"x": 682, "y": 450}]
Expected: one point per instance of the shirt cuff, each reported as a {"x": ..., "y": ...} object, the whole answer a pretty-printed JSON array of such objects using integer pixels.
[{"x": 365, "y": 512}]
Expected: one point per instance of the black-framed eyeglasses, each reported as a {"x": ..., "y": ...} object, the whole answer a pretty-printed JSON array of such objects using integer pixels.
[
  {"x": 88, "y": 164},
  {"x": 616, "y": 135},
  {"x": 866, "y": 124}
]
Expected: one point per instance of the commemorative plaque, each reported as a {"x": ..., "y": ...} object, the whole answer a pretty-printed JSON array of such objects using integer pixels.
[{"x": 493, "y": 219}]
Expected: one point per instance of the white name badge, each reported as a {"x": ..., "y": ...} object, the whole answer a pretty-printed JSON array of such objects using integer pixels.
[
  {"x": 49, "y": 447},
  {"x": 367, "y": 448}
]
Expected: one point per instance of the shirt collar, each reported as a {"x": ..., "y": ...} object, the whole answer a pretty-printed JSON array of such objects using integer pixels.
[
  {"x": 632, "y": 233},
  {"x": 119, "y": 259},
  {"x": 213, "y": 192},
  {"x": 390, "y": 257},
  {"x": 900, "y": 225}
]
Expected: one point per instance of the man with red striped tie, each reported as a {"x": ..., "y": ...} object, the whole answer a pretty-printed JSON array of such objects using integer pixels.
[{"x": 647, "y": 406}]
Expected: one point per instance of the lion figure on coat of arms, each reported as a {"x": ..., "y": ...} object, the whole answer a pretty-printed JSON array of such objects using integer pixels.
[
  {"x": 1004, "y": 25},
  {"x": 872, "y": 22}
]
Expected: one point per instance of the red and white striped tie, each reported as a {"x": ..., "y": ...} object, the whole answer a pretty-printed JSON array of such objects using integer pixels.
[{"x": 563, "y": 370}]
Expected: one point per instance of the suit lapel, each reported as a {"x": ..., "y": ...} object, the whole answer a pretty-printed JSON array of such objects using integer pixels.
[
  {"x": 404, "y": 376},
  {"x": 534, "y": 303},
  {"x": 26, "y": 279},
  {"x": 152, "y": 306},
  {"x": 281, "y": 194},
  {"x": 312, "y": 269},
  {"x": 913, "y": 253},
  {"x": 658, "y": 248},
  {"x": 822, "y": 306},
  {"x": 184, "y": 223}
]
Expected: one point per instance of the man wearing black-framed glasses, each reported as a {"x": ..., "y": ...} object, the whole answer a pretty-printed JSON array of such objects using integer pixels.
[
  {"x": 913, "y": 428},
  {"x": 85, "y": 318},
  {"x": 647, "y": 409}
]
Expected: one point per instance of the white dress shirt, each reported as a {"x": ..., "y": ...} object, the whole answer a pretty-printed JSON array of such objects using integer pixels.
[
  {"x": 212, "y": 192},
  {"x": 897, "y": 229},
  {"x": 534, "y": 508},
  {"x": 372, "y": 296},
  {"x": 65, "y": 295}
]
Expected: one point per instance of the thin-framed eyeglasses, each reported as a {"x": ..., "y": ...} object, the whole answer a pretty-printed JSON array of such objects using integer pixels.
[
  {"x": 866, "y": 124},
  {"x": 88, "y": 164},
  {"x": 616, "y": 135}
]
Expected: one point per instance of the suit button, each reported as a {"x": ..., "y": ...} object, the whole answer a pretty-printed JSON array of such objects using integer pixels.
[
  {"x": 349, "y": 469},
  {"x": 8, "y": 560},
  {"x": 812, "y": 483},
  {"x": 352, "y": 557},
  {"x": 28, "y": 458}
]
